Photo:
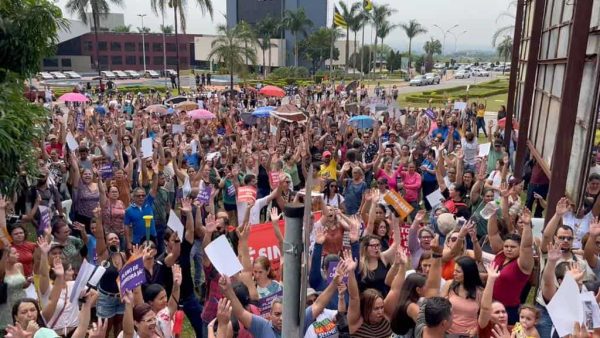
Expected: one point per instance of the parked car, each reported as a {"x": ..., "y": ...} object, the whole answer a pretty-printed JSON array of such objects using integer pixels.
[
  {"x": 44, "y": 76},
  {"x": 481, "y": 73},
  {"x": 121, "y": 74},
  {"x": 171, "y": 72},
  {"x": 462, "y": 74},
  {"x": 108, "y": 75},
  {"x": 72, "y": 75},
  {"x": 433, "y": 78},
  {"x": 419, "y": 80},
  {"x": 58, "y": 75},
  {"x": 151, "y": 74},
  {"x": 33, "y": 94},
  {"x": 133, "y": 74}
]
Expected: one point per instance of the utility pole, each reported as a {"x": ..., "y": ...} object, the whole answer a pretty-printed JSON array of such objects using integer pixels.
[
  {"x": 164, "y": 49},
  {"x": 176, "y": 47},
  {"x": 143, "y": 41},
  {"x": 292, "y": 255},
  {"x": 444, "y": 33}
]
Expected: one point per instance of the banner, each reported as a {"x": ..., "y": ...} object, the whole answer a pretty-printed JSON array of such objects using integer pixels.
[
  {"x": 44, "y": 219},
  {"x": 204, "y": 194},
  {"x": 331, "y": 269},
  {"x": 274, "y": 177},
  {"x": 266, "y": 303},
  {"x": 131, "y": 275},
  {"x": 247, "y": 194},
  {"x": 399, "y": 204}
]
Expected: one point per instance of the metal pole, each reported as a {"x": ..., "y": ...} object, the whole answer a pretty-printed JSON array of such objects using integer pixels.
[
  {"x": 176, "y": 47},
  {"x": 333, "y": 31},
  {"x": 362, "y": 54},
  {"x": 164, "y": 50},
  {"x": 143, "y": 41},
  {"x": 292, "y": 255}
]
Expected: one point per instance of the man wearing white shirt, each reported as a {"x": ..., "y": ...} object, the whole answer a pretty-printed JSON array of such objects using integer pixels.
[{"x": 254, "y": 213}]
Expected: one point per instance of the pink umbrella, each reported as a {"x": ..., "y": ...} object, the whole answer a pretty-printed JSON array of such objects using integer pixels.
[
  {"x": 201, "y": 114},
  {"x": 73, "y": 97}
]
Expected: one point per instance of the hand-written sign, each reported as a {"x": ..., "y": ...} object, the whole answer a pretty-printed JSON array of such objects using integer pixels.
[
  {"x": 399, "y": 204},
  {"x": 131, "y": 275}
]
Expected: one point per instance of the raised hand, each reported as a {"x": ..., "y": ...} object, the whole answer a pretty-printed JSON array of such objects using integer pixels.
[
  {"x": 2, "y": 202},
  {"x": 435, "y": 245},
  {"x": 224, "y": 312},
  {"x": 320, "y": 235},
  {"x": 137, "y": 250},
  {"x": 492, "y": 271},
  {"x": 57, "y": 267},
  {"x": 224, "y": 282},
  {"x": 186, "y": 205},
  {"x": 420, "y": 216},
  {"x": 354, "y": 225},
  {"x": 500, "y": 331},
  {"x": 554, "y": 252},
  {"x": 576, "y": 271},
  {"x": 400, "y": 256},
  {"x": 177, "y": 277},
  {"x": 563, "y": 206},
  {"x": 17, "y": 331},
  {"x": 351, "y": 264},
  {"x": 211, "y": 223},
  {"x": 504, "y": 189},
  {"x": 243, "y": 231},
  {"x": 43, "y": 244},
  {"x": 90, "y": 297},
  {"x": 127, "y": 298},
  {"x": 526, "y": 216},
  {"x": 595, "y": 227},
  {"x": 275, "y": 216}
]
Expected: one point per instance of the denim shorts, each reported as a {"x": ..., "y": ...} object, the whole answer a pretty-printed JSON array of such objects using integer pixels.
[{"x": 109, "y": 306}]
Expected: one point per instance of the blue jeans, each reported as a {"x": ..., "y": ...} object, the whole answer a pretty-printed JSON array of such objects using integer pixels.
[
  {"x": 544, "y": 325},
  {"x": 481, "y": 124},
  {"x": 193, "y": 309},
  {"x": 196, "y": 257}
]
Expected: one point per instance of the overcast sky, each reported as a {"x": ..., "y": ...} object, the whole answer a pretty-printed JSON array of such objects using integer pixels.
[{"x": 479, "y": 18}]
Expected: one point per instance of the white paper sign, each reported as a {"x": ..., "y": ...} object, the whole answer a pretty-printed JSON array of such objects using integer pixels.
[
  {"x": 566, "y": 297},
  {"x": 435, "y": 198},
  {"x": 72, "y": 142},
  {"x": 175, "y": 224},
  {"x": 460, "y": 106},
  {"x": 85, "y": 272},
  {"x": 212, "y": 156},
  {"x": 178, "y": 129},
  {"x": 194, "y": 146},
  {"x": 484, "y": 149},
  {"x": 222, "y": 257},
  {"x": 147, "y": 147}
]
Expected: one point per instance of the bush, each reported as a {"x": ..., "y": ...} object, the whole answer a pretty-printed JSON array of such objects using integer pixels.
[
  {"x": 491, "y": 88},
  {"x": 288, "y": 72}
]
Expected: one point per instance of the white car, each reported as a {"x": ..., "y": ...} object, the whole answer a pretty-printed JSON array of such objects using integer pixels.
[
  {"x": 481, "y": 73},
  {"x": 72, "y": 75},
  {"x": 419, "y": 80},
  {"x": 121, "y": 74},
  {"x": 58, "y": 75},
  {"x": 44, "y": 76},
  {"x": 461, "y": 74},
  {"x": 171, "y": 72},
  {"x": 133, "y": 74},
  {"x": 433, "y": 78},
  {"x": 108, "y": 75},
  {"x": 152, "y": 74}
]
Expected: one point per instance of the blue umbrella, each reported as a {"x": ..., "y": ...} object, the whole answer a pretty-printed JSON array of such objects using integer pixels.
[
  {"x": 263, "y": 111},
  {"x": 362, "y": 121}
]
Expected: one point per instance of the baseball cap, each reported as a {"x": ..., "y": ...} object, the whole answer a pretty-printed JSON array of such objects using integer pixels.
[
  {"x": 51, "y": 136},
  {"x": 55, "y": 244},
  {"x": 311, "y": 292},
  {"x": 327, "y": 153},
  {"x": 45, "y": 333}
]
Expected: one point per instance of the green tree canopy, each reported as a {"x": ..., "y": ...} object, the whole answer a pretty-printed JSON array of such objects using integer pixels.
[{"x": 317, "y": 46}]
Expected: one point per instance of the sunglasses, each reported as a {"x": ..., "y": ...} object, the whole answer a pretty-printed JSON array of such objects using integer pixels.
[
  {"x": 565, "y": 238},
  {"x": 333, "y": 186}
]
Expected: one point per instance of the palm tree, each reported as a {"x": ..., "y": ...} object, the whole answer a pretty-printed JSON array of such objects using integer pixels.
[
  {"x": 267, "y": 29},
  {"x": 412, "y": 29},
  {"x": 246, "y": 31},
  {"x": 230, "y": 47},
  {"x": 166, "y": 29},
  {"x": 357, "y": 22},
  {"x": 504, "y": 49},
  {"x": 122, "y": 29},
  {"x": 296, "y": 22},
  {"x": 431, "y": 47},
  {"x": 349, "y": 15},
  {"x": 506, "y": 29},
  {"x": 144, "y": 30},
  {"x": 385, "y": 28},
  {"x": 379, "y": 14},
  {"x": 99, "y": 7},
  {"x": 179, "y": 10}
]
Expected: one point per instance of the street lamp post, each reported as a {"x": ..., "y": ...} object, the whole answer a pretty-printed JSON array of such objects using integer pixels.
[
  {"x": 456, "y": 36},
  {"x": 444, "y": 33},
  {"x": 143, "y": 41}
]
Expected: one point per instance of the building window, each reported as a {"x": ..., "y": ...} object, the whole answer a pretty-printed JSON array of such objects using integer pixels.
[
  {"x": 130, "y": 46},
  {"x": 171, "y": 47},
  {"x": 88, "y": 46},
  {"x": 66, "y": 62},
  {"x": 158, "y": 60},
  {"x": 116, "y": 60},
  {"x": 130, "y": 60},
  {"x": 142, "y": 60},
  {"x": 102, "y": 45},
  {"x": 171, "y": 60},
  {"x": 103, "y": 60},
  {"x": 140, "y": 47},
  {"x": 115, "y": 46},
  {"x": 157, "y": 47},
  {"x": 51, "y": 62}
]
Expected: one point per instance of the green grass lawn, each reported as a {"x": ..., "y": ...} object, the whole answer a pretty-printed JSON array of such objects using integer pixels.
[{"x": 492, "y": 103}]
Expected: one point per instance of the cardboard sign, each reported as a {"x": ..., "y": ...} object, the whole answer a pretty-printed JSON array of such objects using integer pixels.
[
  {"x": 266, "y": 303},
  {"x": 399, "y": 204},
  {"x": 44, "y": 219},
  {"x": 131, "y": 275},
  {"x": 204, "y": 194},
  {"x": 274, "y": 177},
  {"x": 404, "y": 231},
  {"x": 247, "y": 194},
  {"x": 331, "y": 269},
  {"x": 460, "y": 106}
]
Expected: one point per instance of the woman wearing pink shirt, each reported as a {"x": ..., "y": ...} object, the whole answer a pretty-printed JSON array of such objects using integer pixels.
[{"x": 410, "y": 185}]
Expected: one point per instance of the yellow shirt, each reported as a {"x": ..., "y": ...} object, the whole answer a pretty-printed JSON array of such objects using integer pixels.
[
  {"x": 329, "y": 171},
  {"x": 480, "y": 112}
]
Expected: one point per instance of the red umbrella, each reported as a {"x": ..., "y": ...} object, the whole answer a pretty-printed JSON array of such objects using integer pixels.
[
  {"x": 201, "y": 114},
  {"x": 502, "y": 123},
  {"x": 73, "y": 97},
  {"x": 272, "y": 91}
]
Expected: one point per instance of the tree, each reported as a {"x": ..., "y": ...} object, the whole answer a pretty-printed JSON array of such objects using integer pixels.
[
  {"x": 267, "y": 29},
  {"x": 349, "y": 14},
  {"x": 355, "y": 25},
  {"x": 317, "y": 47},
  {"x": 231, "y": 48},
  {"x": 122, "y": 29},
  {"x": 99, "y": 8},
  {"x": 168, "y": 29},
  {"x": 359, "y": 57},
  {"x": 385, "y": 28},
  {"x": 23, "y": 46},
  {"x": 179, "y": 10},
  {"x": 144, "y": 30},
  {"x": 431, "y": 47},
  {"x": 246, "y": 30},
  {"x": 412, "y": 29},
  {"x": 394, "y": 60},
  {"x": 296, "y": 22},
  {"x": 504, "y": 49},
  {"x": 379, "y": 14},
  {"x": 506, "y": 29}
]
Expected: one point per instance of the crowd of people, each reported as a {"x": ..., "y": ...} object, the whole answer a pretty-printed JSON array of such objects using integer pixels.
[{"x": 464, "y": 262}]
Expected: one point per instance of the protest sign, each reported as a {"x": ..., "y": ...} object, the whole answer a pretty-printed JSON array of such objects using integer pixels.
[
  {"x": 44, "y": 219},
  {"x": 204, "y": 194},
  {"x": 131, "y": 275},
  {"x": 399, "y": 204},
  {"x": 266, "y": 303},
  {"x": 223, "y": 258},
  {"x": 331, "y": 269},
  {"x": 247, "y": 194}
]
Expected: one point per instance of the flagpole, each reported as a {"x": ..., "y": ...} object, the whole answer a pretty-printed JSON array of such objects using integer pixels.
[
  {"x": 362, "y": 54},
  {"x": 333, "y": 31}
]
